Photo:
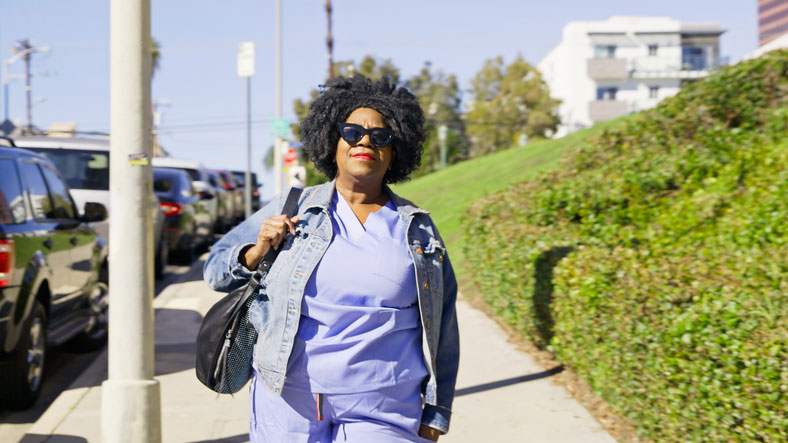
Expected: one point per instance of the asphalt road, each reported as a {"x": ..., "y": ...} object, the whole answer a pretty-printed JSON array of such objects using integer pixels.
[{"x": 62, "y": 368}]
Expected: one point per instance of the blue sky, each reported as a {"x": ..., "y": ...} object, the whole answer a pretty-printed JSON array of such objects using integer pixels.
[{"x": 204, "y": 111}]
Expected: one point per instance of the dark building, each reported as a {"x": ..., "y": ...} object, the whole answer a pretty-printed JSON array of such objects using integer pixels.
[{"x": 772, "y": 20}]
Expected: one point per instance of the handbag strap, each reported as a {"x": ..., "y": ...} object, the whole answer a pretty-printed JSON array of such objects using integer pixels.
[{"x": 289, "y": 209}]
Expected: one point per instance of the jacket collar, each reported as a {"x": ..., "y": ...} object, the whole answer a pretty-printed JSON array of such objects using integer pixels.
[{"x": 320, "y": 198}]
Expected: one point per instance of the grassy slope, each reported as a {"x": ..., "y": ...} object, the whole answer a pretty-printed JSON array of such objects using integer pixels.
[{"x": 448, "y": 193}]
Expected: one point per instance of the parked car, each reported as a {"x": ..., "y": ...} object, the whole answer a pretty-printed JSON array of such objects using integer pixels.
[
  {"x": 202, "y": 186},
  {"x": 224, "y": 219},
  {"x": 240, "y": 177},
  {"x": 84, "y": 163},
  {"x": 185, "y": 218},
  {"x": 53, "y": 273},
  {"x": 235, "y": 193}
]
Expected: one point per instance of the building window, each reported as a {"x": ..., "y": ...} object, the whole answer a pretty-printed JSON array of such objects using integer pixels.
[
  {"x": 693, "y": 58},
  {"x": 606, "y": 93},
  {"x": 652, "y": 50},
  {"x": 605, "y": 51},
  {"x": 653, "y": 91}
]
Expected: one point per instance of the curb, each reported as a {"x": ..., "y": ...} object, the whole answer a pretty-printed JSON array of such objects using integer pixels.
[{"x": 68, "y": 400}]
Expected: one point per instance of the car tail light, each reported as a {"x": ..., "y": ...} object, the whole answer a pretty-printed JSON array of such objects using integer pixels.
[
  {"x": 6, "y": 262},
  {"x": 227, "y": 186},
  {"x": 171, "y": 208}
]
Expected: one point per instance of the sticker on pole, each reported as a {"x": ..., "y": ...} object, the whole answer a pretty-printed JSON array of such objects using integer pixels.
[
  {"x": 246, "y": 59},
  {"x": 138, "y": 159},
  {"x": 280, "y": 127}
]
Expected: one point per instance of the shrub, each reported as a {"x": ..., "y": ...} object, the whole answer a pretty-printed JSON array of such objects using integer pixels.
[{"x": 654, "y": 260}]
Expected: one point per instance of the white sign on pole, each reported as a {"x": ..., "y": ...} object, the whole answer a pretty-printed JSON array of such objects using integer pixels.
[{"x": 246, "y": 59}]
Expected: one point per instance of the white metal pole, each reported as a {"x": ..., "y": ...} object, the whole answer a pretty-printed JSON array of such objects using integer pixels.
[
  {"x": 278, "y": 141},
  {"x": 248, "y": 177},
  {"x": 131, "y": 399},
  {"x": 5, "y": 90}
]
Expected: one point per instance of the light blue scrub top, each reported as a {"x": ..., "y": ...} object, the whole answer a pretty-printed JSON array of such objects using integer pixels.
[{"x": 360, "y": 327}]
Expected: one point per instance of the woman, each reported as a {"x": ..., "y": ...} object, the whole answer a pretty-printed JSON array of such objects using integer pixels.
[{"x": 358, "y": 336}]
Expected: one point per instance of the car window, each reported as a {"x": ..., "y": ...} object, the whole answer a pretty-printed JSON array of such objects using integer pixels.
[
  {"x": 212, "y": 180},
  {"x": 37, "y": 188},
  {"x": 162, "y": 185},
  {"x": 186, "y": 187},
  {"x": 12, "y": 206},
  {"x": 194, "y": 174},
  {"x": 63, "y": 205},
  {"x": 80, "y": 168}
]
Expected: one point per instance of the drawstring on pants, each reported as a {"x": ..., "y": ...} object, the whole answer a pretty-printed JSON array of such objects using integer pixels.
[{"x": 319, "y": 406}]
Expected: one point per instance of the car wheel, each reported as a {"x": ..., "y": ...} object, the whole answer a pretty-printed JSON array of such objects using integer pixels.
[
  {"x": 94, "y": 336},
  {"x": 161, "y": 259},
  {"x": 21, "y": 378}
]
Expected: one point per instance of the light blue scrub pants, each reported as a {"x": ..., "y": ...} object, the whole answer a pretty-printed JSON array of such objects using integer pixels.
[{"x": 387, "y": 415}]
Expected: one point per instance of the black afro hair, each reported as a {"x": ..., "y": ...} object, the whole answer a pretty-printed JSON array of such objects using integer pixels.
[{"x": 340, "y": 97}]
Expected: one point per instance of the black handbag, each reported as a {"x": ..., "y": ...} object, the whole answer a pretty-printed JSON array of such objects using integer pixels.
[{"x": 225, "y": 343}]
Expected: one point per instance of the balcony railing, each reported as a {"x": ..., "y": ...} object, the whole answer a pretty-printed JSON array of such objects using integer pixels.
[
  {"x": 674, "y": 67},
  {"x": 607, "y": 68}
]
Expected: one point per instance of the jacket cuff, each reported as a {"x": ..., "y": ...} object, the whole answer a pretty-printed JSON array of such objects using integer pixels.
[
  {"x": 237, "y": 270},
  {"x": 436, "y": 417}
]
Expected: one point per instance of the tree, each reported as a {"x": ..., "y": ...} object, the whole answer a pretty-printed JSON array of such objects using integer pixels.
[
  {"x": 508, "y": 102},
  {"x": 155, "y": 52},
  {"x": 369, "y": 67},
  {"x": 440, "y": 97}
]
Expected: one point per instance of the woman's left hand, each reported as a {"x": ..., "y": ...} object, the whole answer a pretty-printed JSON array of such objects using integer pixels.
[{"x": 429, "y": 433}]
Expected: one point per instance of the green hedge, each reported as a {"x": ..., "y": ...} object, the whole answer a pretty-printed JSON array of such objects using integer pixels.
[{"x": 654, "y": 260}]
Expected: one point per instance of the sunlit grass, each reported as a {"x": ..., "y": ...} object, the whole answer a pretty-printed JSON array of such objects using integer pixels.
[{"x": 448, "y": 193}]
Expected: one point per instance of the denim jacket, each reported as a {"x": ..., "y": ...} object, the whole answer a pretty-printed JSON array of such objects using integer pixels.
[{"x": 283, "y": 289}]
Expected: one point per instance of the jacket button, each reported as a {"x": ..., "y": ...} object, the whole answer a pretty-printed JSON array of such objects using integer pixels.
[
  {"x": 419, "y": 251},
  {"x": 426, "y": 285},
  {"x": 427, "y": 324},
  {"x": 440, "y": 257}
]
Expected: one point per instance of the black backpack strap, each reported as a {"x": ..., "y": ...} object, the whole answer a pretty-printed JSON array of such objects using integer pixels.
[{"x": 289, "y": 209}]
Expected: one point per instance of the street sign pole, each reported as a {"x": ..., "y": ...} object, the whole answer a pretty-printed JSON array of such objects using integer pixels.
[
  {"x": 278, "y": 141},
  {"x": 248, "y": 177},
  {"x": 443, "y": 132},
  {"x": 130, "y": 397},
  {"x": 246, "y": 69}
]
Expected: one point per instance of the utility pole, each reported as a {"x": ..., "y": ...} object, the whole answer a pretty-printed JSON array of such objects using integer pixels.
[
  {"x": 25, "y": 46},
  {"x": 25, "y": 50},
  {"x": 131, "y": 398},
  {"x": 278, "y": 140},
  {"x": 330, "y": 42}
]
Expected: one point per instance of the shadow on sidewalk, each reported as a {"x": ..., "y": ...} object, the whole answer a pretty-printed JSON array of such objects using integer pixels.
[
  {"x": 508, "y": 381},
  {"x": 54, "y": 438},
  {"x": 240, "y": 438},
  {"x": 172, "y": 358},
  {"x": 175, "y": 274}
]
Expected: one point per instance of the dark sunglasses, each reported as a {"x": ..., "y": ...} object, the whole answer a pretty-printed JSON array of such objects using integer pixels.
[{"x": 352, "y": 133}]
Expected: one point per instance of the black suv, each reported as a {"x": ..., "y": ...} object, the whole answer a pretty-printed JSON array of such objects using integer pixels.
[{"x": 53, "y": 275}]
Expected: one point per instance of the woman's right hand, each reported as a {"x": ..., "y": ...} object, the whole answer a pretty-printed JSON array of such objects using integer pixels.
[{"x": 272, "y": 233}]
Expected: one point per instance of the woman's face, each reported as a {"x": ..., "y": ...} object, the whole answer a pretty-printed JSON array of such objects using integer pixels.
[{"x": 362, "y": 160}]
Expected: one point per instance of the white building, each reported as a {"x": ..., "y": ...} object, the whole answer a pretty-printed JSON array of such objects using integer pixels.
[{"x": 604, "y": 69}]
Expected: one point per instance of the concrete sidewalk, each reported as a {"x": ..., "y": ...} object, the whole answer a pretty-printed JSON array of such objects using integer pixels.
[{"x": 502, "y": 395}]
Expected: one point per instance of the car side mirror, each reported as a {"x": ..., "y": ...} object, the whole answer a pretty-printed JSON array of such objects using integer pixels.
[{"x": 94, "y": 212}]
